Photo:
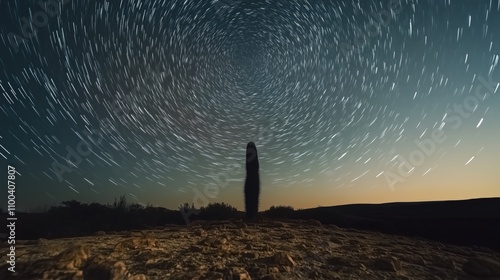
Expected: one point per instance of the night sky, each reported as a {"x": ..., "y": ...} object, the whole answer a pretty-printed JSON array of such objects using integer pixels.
[{"x": 347, "y": 101}]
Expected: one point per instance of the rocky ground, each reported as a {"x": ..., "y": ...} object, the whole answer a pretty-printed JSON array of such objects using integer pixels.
[{"x": 253, "y": 250}]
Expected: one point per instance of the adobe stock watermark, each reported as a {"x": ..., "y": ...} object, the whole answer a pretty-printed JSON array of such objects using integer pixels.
[
  {"x": 373, "y": 29},
  {"x": 50, "y": 8},
  {"x": 427, "y": 147},
  {"x": 221, "y": 179}
]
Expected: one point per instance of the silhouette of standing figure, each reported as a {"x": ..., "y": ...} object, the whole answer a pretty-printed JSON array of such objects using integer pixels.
[{"x": 252, "y": 182}]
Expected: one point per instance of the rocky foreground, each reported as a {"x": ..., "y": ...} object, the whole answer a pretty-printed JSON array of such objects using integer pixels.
[{"x": 265, "y": 249}]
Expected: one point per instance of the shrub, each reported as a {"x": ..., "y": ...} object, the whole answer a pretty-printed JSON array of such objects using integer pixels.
[
  {"x": 218, "y": 211},
  {"x": 136, "y": 207},
  {"x": 120, "y": 205},
  {"x": 280, "y": 212}
]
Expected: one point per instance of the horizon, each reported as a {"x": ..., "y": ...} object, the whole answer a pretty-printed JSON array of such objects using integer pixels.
[
  {"x": 346, "y": 102},
  {"x": 41, "y": 208}
]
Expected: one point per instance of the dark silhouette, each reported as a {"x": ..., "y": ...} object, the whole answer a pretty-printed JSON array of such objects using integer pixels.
[
  {"x": 218, "y": 211},
  {"x": 280, "y": 212},
  {"x": 252, "y": 182}
]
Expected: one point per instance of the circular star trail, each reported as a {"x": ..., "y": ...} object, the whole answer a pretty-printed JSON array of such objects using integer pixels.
[{"x": 158, "y": 99}]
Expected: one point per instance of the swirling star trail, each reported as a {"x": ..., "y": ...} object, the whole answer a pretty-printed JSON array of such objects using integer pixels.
[{"x": 347, "y": 101}]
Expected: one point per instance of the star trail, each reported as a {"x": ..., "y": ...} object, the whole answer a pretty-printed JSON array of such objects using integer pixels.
[{"x": 347, "y": 101}]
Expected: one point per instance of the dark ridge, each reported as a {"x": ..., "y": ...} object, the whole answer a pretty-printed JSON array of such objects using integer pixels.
[{"x": 474, "y": 222}]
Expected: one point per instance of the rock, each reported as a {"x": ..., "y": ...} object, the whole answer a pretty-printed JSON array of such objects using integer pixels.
[
  {"x": 334, "y": 227},
  {"x": 284, "y": 259},
  {"x": 279, "y": 225},
  {"x": 287, "y": 235},
  {"x": 220, "y": 241},
  {"x": 445, "y": 263},
  {"x": 241, "y": 225},
  {"x": 332, "y": 275},
  {"x": 200, "y": 232},
  {"x": 267, "y": 248},
  {"x": 99, "y": 233},
  {"x": 354, "y": 242},
  {"x": 386, "y": 264},
  {"x": 136, "y": 242},
  {"x": 214, "y": 275},
  {"x": 332, "y": 245},
  {"x": 336, "y": 240},
  {"x": 134, "y": 234},
  {"x": 313, "y": 275},
  {"x": 459, "y": 251},
  {"x": 339, "y": 234},
  {"x": 271, "y": 276},
  {"x": 224, "y": 247},
  {"x": 267, "y": 238},
  {"x": 251, "y": 255},
  {"x": 239, "y": 232},
  {"x": 73, "y": 258},
  {"x": 240, "y": 274},
  {"x": 274, "y": 269},
  {"x": 206, "y": 242},
  {"x": 109, "y": 269},
  {"x": 482, "y": 267},
  {"x": 221, "y": 227},
  {"x": 313, "y": 222},
  {"x": 340, "y": 261},
  {"x": 42, "y": 241},
  {"x": 197, "y": 248},
  {"x": 302, "y": 246}
]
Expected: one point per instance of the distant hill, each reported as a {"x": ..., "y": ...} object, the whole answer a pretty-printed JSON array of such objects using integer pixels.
[{"x": 464, "y": 222}]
